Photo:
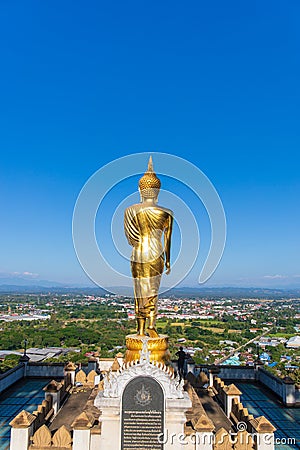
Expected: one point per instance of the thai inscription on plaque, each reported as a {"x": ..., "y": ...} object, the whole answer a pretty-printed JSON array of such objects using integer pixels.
[{"x": 143, "y": 408}]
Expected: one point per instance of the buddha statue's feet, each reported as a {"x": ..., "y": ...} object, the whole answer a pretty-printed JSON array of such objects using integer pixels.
[
  {"x": 157, "y": 346},
  {"x": 152, "y": 332}
]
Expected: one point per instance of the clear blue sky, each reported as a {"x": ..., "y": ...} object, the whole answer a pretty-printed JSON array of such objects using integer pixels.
[{"x": 214, "y": 82}]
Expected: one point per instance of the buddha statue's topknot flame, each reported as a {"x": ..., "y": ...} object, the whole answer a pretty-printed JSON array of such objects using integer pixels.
[{"x": 149, "y": 183}]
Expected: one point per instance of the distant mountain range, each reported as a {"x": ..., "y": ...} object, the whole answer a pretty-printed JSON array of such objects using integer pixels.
[
  {"x": 30, "y": 285},
  {"x": 240, "y": 292},
  {"x": 21, "y": 284},
  {"x": 37, "y": 289},
  {"x": 26, "y": 281}
]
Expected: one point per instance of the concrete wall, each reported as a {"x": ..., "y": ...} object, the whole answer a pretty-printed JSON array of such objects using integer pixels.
[
  {"x": 230, "y": 372},
  {"x": 271, "y": 381},
  {"x": 54, "y": 370},
  {"x": 286, "y": 391},
  {"x": 11, "y": 376},
  {"x": 49, "y": 370},
  {"x": 297, "y": 395},
  {"x": 237, "y": 373}
]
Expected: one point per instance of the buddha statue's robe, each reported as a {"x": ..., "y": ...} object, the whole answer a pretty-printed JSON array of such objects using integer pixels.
[{"x": 144, "y": 227}]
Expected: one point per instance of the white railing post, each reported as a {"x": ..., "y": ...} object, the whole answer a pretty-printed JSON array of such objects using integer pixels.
[
  {"x": 82, "y": 431},
  {"x": 22, "y": 429},
  {"x": 263, "y": 432},
  {"x": 231, "y": 392}
]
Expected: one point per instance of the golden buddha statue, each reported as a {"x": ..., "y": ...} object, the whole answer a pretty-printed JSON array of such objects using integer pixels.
[{"x": 145, "y": 223}]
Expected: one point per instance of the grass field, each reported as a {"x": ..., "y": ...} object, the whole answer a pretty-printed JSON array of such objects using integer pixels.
[{"x": 214, "y": 329}]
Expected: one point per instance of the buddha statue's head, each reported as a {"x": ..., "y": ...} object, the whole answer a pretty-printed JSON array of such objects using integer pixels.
[{"x": 149, "y": 184}]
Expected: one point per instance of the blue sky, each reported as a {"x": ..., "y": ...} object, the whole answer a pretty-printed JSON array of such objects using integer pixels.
[{"x": 216, "y": 83}]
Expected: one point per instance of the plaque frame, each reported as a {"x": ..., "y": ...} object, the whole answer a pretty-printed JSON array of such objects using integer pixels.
[{"x": 137, "y": 379}]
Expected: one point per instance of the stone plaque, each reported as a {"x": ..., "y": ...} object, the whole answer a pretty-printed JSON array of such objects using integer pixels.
[{"x": 143, "y": 410}]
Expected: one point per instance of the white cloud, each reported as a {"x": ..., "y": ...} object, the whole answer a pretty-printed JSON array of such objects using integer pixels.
[
  {"x": 30, "y": 274},
  {"x": 25, "y": 274},
  {"x": 274, "y": 277}
]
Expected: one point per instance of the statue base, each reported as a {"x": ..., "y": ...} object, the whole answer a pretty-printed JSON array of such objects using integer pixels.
[{"x": 157, "y": 346}]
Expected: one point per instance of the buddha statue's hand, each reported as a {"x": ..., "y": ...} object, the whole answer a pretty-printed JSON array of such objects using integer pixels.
[{"x": 168, "y": 268}]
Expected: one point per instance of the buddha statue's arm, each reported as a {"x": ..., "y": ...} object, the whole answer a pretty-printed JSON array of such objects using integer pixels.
[
  {"x": 167, "y": 243},
  {"x": 130, "y": 226}
]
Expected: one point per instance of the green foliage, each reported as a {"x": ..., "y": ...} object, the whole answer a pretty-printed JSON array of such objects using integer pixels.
[
  {"x": 9, "y": 362},
  {"x": 200, "y": 357},
  {"x": 75, "y": 357},
  {"x": 86, "y": 323},
  {"x": 81, "y": 326},
  {"x": 281, "y": 371},
  {"x": 193, "y": 333}
]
